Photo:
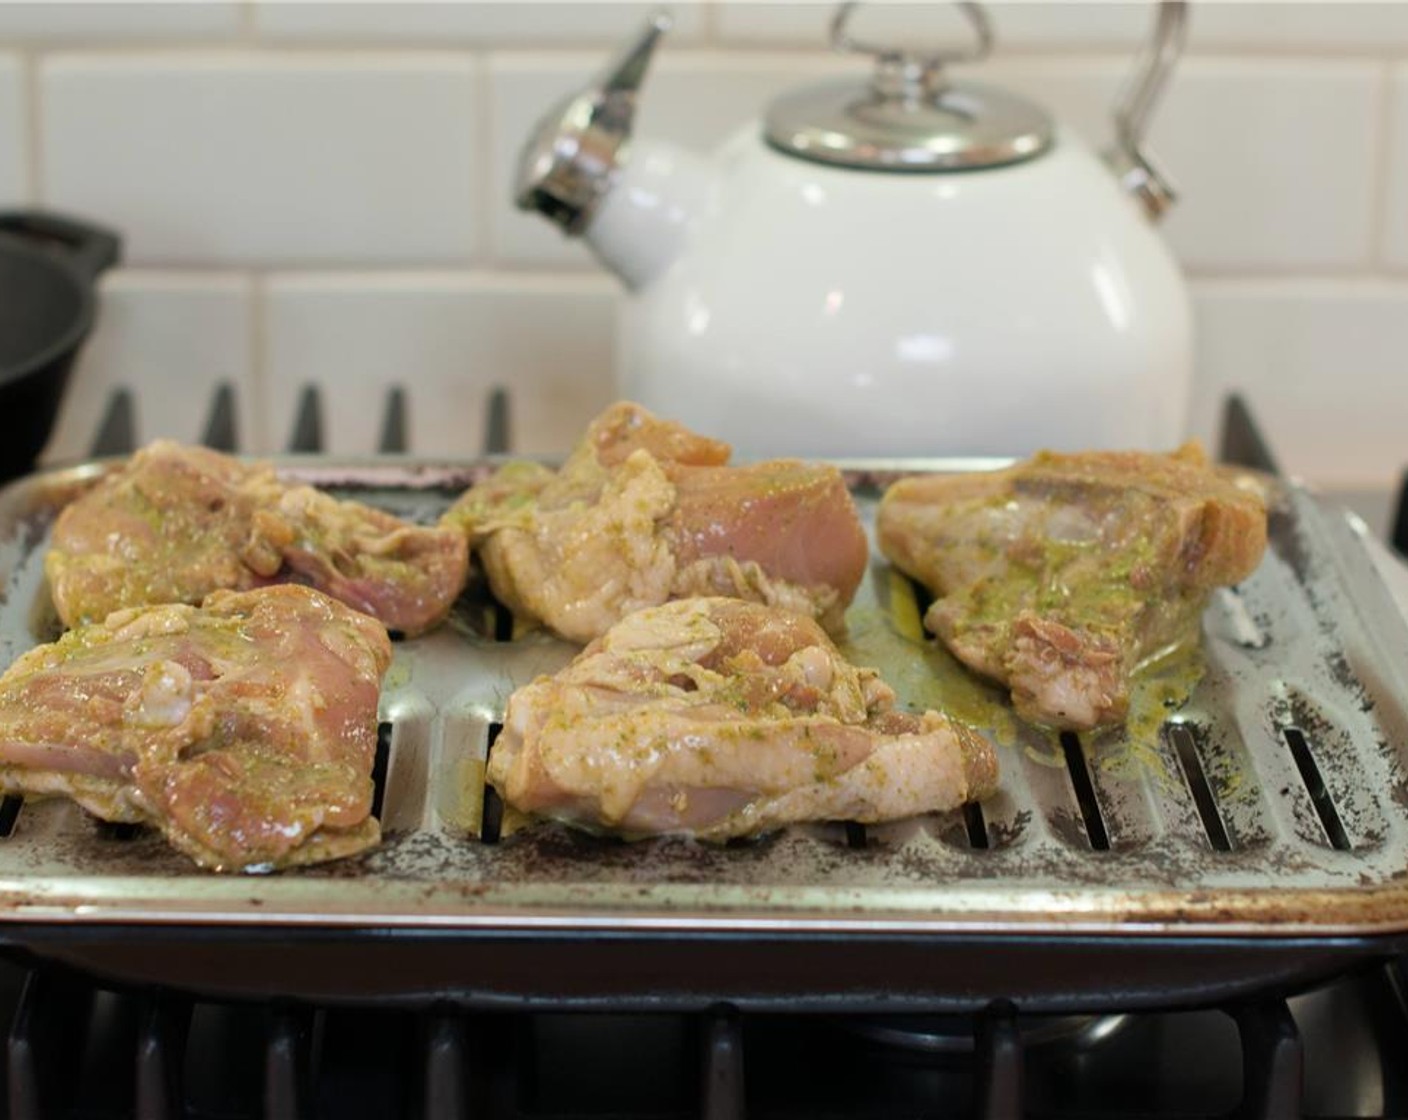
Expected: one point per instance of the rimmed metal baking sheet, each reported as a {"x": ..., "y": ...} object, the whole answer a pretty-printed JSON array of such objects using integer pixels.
[{"x": 1311, "y": 644}]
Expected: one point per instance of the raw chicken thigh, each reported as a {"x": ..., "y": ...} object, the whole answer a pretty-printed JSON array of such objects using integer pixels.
[
  {"x": 721, "y": 718},
  {"x": 645, "y": 511},
  {"x": 1061, "y": 575},
  {"x": 178, "y": 522},
  {"x": 244, "y": 729}
]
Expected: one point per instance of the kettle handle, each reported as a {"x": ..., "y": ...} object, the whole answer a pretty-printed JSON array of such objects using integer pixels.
[{"x": 1129, "y": 160}]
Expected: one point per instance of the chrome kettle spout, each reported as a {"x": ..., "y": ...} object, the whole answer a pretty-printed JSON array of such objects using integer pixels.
[
  {"x": 633, "y": 212},
  {"x": 566, "y": 166}
]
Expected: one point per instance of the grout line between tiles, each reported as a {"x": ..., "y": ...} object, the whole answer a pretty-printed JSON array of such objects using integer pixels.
[
  {"x": 255, "y": 51},
  {"x": 709, "y": 23},
  {"x": 33, "y": 114},
  {"x": 489, "y": 278},
  {"x": 1380, "y": 163},
  {"x": 249, "y": 24},
  {"x": 248, "y": 41},
  {"x": 475, "y": 280},
  {"x": 1386, "y": 286},
  {"x": 484, "y": 166},
  {"x": 1348, "y": 275},
  {"x": 257, "y": 407}
]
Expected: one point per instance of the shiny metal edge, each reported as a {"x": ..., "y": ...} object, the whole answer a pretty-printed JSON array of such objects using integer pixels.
[{"x": 1261, "y": 914}]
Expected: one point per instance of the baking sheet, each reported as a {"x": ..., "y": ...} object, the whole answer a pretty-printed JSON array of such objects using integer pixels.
[{"x": 1309, "y": 649}]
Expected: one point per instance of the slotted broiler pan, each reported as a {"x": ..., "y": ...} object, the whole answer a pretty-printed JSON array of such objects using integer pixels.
[{"x": 1255, "y": 836}]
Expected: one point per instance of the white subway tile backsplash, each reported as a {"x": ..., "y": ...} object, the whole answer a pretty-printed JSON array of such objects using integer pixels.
[
  {"x": 477, "y": 22},
  {"x": 1395, "y": 200},
  {"x": 805, "y": 24},
  {"x": 923, "y": 23},
  {"x": 694, "y": 99},
  {"x": 1275, "y": 161},
  {"x": 1078, "y": 92},
  {"x": 1336, "y": 25},
  {"x": 244, "y": 158},
  {"x": 70, "y": 21},
  {"x": 699, "y": 99},
  {"x": 14, "y": 148},
  {"x": 1072, "y": 26},
  {"x": 172, "y": 337},
  {"x": 449, "y": 339},
  {"x": 1322, "y": 365},
  {"x": 1327, "y": 25}
]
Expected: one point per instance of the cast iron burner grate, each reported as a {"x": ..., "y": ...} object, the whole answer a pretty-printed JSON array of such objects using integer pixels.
[
  {"x": 80, "y": 1050},
  {"x": 82, "y": 1047}
]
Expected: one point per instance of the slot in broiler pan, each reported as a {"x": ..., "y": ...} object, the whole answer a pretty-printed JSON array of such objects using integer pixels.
[{"x": 1255, "y": 836}]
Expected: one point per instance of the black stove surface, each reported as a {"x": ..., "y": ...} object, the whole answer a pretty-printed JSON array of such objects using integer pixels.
[{"x": 79, "y": 1052}]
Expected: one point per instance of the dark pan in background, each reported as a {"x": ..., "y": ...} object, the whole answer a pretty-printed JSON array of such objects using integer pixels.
[{"x": 49, "y": 266}]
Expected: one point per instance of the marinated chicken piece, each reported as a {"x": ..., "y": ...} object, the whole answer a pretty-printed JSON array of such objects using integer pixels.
[
  {"x": 176, "y": 523},
  {"x": 718, "y": 717},
  {"x": 245, "y": 729},
  {"x": 645, "y": 511},
  {"x": 1061, "y": 575}
]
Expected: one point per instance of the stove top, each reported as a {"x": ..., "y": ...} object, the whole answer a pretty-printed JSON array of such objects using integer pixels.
[
  {"x": 76, "y": 1050},
  {"x": 81, "y": 1047}
]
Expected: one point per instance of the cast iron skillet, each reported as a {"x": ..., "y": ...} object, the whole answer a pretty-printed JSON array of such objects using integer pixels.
[{"x": 48, "y": 267}]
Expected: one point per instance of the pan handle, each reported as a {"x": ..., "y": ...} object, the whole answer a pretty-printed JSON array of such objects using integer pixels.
[{"x": 89, "y": 248}]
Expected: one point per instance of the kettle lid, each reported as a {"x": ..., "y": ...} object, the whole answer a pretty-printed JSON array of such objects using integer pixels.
[{"x": 909, "y": 117}]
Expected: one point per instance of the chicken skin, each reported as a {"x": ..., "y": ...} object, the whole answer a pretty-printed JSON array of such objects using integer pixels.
[
  {"x": 645, "y": 511},
  {"x": 177, "y": 522},
  {"x": 1059, "y": 576},
  {"x": 244, "y": 729},
  {"x": 718, "y": 718}
]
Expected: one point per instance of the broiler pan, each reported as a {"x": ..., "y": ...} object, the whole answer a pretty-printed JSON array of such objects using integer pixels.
[{"x": 1257, "y": 834}]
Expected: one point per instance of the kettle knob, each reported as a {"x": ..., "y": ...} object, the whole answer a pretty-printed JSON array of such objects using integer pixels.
[
  {"x": 905, "y": 72},
  {"x": 566, "y": 165}
]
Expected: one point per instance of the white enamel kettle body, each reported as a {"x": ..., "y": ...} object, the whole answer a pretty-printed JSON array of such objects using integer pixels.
[{"x": 844, "y": 281}]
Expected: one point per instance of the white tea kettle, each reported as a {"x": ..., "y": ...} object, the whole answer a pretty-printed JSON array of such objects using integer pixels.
[{"x": 911, "y": 267}]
